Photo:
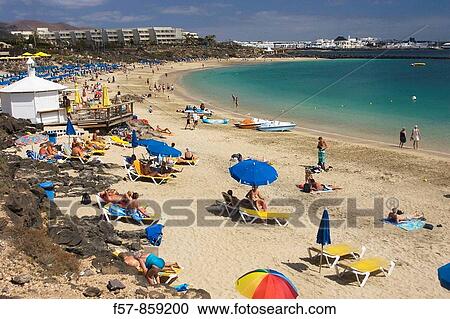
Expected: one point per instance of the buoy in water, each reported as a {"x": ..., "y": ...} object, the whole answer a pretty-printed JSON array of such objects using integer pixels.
[{"x": 414, "y": 98}]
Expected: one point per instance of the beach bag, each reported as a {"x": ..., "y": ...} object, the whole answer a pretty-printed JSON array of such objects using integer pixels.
[
  {"x": 85, "y": 199},
  {"x": 154, "y": 234},
  {"x": 307, "y": 188}
]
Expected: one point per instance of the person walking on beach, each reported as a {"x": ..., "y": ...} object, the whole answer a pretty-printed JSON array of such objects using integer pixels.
[
  {"x": 188, "y": 121},
  {"x": 236, "y": 101},
  {"x": 321, "y": 154},
  {"x": 402, "y": 137},
  {"x": 415, "y": 137}
]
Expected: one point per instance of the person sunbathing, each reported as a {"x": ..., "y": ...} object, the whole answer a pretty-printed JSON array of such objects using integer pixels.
[
  {"x": 112, "y": 196},
  {"x": 97, "y": 138},
  {"x": 188, "y": 155},
  {"x": 234, "y": 201},
  {"x": 258, "y": 201},
  {"x": 397, "y": 216},
  {"x": 150, "y": 264},
  {"x": 78, "y": 151},
  {"x": 316, "y": 186},
  {"x": 43, "y": 150},
  {"x": 160, "y": 130},
  {"x": 133, "y": 206}
]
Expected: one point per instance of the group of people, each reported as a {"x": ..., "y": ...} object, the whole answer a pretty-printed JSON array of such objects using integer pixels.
[
  {"x": 128, "y": 201},
  {"x": 415, "y": 137}
]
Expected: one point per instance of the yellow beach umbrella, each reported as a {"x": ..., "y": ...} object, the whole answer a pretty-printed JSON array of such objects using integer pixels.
[
  {"x": 77, "y": 96},
  {"x": 27, "y": 54},
  {"x": 42, "y": 54},
  {"x": 105, "y": 97}
]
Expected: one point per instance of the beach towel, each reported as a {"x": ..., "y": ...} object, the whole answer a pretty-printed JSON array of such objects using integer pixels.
[
  {"x": 181, "y": 288},
  {"x": 154, "y": 234},
  {"x": 322, "y": 156},
  {"x": 409, "y": 225},
  {"x": 117, "y": 211}
]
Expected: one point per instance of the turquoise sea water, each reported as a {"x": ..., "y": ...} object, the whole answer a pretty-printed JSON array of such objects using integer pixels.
[{"x": 371, "y": 99}]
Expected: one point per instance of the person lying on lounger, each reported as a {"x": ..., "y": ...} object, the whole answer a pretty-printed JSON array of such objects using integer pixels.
[
  {"x": 78, "y": 151},
  {"x": 258, "y": 201},
  {"x": 234, "y": 201},
  {"x": 160, "y": 130},
  {"x": 149, "y": 169},
  {"x": 134, "y": 206},
  {"x": 112, "y": 196},
  {"x": 188, "y": 155},
  {"x": 397, "y": 216}
]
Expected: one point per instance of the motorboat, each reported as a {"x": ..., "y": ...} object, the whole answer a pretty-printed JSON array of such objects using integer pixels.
[
  {"x": 276, "y": 126},
  {"x": 416, "y": 64},
  {"x": 251, "y": 124}
]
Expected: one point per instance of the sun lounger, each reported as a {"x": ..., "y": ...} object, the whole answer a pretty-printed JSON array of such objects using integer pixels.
[
  {"x": 68, "y": 153},
  {"x": 250, "y": 215},
  {"x": 227, "y": 205},
  {"x": 336, "y": 252},
  {"x": 116, "y": 140},
  {"x": 121, "y": 215},
  {"x": 182, "y": 161},
  {"x": 365, "y": 267},
  {"x": 135, "y": 172},
  {"x": 169, "y": 274}
]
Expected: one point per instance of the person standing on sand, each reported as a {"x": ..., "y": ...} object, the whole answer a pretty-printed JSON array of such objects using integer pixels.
[
  {"x": 236, "y": 101},
  {"x": 415, "y": 137},
  {"x": 402, "y": 137},
  {"x": 188, "y": 121},
  {"x": 322, "y": 155}
]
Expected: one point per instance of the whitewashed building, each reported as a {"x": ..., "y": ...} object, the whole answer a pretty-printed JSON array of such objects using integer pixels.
[{"x": 34, "y": 98}]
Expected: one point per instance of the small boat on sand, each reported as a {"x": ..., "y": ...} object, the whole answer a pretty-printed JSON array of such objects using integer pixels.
[
  {"x": 251, "y": 124},
  {"x": 215, "y": 121},
  {"x": 276, "y": 126}
]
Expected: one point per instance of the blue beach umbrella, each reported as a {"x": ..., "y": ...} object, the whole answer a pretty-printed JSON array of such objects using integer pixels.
[
  {"x": 163, "y": 150},
  {"x": 157, "y": 148},
  {"x": 444, "y": 276},
  {"x": 70, "y": 130},
  {"x": 253, "y": 173},
  {"x": 323, "y": 235},
  {"x": 134, "y": 140}
]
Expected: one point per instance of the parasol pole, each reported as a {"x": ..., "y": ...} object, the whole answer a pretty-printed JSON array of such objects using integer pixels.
[{"x": 321, "y": 257}]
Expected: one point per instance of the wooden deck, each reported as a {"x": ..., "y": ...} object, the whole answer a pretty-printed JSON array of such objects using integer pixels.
[{"x": 103, "y": 117}]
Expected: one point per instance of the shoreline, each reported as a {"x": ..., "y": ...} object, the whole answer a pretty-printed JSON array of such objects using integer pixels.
[{"x": 183, "y": 93}]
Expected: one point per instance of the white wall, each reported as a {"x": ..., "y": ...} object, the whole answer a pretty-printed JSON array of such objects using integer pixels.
[
  {"x": 47, "y": 101},
  {"x": 23, "y": 106}
]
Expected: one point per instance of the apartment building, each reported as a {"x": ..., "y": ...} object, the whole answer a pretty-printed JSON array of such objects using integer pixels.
[{"x": 159, "y": 35}]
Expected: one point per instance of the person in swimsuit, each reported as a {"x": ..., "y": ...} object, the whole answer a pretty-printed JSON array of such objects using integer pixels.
[
  {"x": 416, "y": 137},
  {"x": 398, "y": 216},
  {"x": 322, "y": 155},
  {"x": 258, "y": 201},
  {"x": 402, "y": 137},
  {"x": 151, "y": 265}
]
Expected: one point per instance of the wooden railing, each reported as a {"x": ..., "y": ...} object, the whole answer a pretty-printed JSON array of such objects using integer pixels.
[{"x": 103, "y": 115}]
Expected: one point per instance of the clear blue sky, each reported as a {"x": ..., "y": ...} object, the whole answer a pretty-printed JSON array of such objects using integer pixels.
[{"x": 250, "y": 19}]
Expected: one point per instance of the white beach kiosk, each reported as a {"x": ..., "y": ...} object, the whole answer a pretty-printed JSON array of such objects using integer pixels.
[{"x": 34, "y": 98}]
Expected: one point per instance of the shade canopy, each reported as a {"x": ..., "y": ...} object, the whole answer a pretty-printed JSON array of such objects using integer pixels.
[
  {"x": 31, "y": 139},
  {"x": 157, "y": 148},
  {"x": 253, "y": 173},
  {"x": 106, "y": 102},
  {"x": 323, "y": 235},
  {"x": 70, "y": 130},
  {"x": 266, "y": 284},
  {"x": 444, "y": 276}
]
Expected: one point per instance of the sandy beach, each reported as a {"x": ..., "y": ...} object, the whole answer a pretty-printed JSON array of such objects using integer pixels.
[{"x": 215, "y": 252}]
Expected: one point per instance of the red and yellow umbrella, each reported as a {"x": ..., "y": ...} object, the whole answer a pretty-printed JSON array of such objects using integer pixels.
[{"x": 266, "y": 284}]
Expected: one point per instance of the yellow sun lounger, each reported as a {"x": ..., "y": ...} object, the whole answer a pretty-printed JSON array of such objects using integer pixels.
[
  {"x": 182, "y": 161},
  {"x": 249, "y": 216},
  {"x": 364, "y": 267},
  {"x": 336, "y": 252},
  {"x": 135, "y": 172},
  {"x": 116, "y": 140}
]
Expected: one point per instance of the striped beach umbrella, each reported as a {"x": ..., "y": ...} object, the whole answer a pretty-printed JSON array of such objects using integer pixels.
[{"x": 266, "y": 284}]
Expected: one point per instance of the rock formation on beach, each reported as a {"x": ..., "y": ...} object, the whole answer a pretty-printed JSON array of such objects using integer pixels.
[{"x": 46, "y": 253}]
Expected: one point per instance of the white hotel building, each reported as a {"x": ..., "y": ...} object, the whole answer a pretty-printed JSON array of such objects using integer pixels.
[{"x": 158, "y": 35}]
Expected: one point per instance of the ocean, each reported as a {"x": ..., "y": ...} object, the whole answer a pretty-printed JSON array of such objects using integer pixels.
[{"x": 369, "y": 99}]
